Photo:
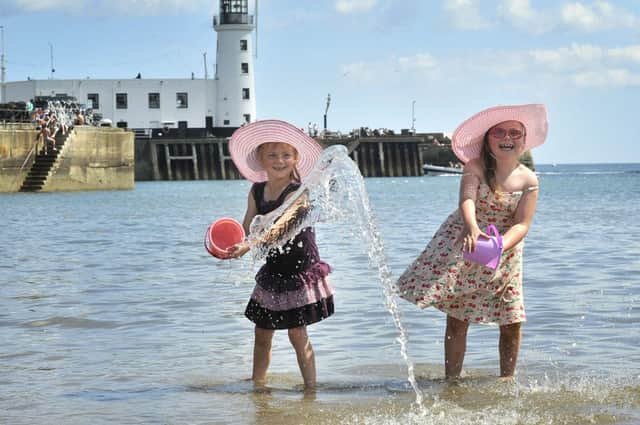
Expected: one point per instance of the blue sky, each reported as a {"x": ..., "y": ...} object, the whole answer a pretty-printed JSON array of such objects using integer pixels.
[{"x": 375, "y": 57}]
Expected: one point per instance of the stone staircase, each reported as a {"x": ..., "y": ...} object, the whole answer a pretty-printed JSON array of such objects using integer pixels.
[{"x": 39, "y": 172}]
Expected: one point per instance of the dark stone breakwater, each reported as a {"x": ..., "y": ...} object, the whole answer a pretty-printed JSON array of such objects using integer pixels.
[{"x": 207, "y": 158}]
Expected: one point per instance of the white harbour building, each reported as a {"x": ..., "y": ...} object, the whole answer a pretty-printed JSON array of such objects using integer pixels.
[{"x": 218, "y": 105}]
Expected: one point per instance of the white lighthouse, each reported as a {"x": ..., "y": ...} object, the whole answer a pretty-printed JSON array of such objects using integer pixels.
[
  {"x": 235, "y": 94},
  {"x": 192, "y": 106}
]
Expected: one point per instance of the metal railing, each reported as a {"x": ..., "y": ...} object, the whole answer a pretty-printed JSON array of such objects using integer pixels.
[
  {"x": 233, "y": 18},
  {"x": 14, "y": 115},
  {"x": 26, "y": 160}
]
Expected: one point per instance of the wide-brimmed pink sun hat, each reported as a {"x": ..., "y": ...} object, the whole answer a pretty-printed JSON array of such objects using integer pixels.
[
  {"x": 467, "y": 139},
  {"x": 245, "y": 141}
]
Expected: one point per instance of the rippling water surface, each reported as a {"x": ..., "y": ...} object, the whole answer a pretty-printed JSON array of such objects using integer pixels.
[{"x": 111, "y": 311}]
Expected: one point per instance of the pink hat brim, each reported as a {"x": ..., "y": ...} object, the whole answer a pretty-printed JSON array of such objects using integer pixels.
[
  {"x": 245, "y": 140},
  {"x": 467, "y": 139}
]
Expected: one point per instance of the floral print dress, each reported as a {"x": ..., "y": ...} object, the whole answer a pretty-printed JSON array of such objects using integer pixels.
[{"x": 467, "y": 291}]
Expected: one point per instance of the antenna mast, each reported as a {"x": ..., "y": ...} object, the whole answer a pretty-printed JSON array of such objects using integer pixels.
[{"x": 2, "y": 68}]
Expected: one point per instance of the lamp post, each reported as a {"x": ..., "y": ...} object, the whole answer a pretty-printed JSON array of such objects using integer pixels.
[
  {"x": 326, "y": 109},
  {"x": 413, "y": 117},
  {"x": 51, "y": 57},
  {"x": 206, "y": 74}
]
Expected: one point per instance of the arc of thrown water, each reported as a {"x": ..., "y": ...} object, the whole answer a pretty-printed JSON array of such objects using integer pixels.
[{"x": 333, "y": 191}]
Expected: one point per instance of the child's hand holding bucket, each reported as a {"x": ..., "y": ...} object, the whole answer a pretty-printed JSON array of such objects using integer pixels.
[
  {"x": 487, "y": 250},
  {"x": 469, "y": 238},
  {"x": 238, "y": 250},
  {"x": 224, "y": 238}
]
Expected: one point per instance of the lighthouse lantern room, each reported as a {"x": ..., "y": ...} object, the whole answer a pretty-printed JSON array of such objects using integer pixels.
[{"x": 235, "y": 94}]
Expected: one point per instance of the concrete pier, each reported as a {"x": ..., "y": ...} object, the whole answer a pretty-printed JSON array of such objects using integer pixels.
[
  {"x": 184, "y": 159},
  {"x": 93, "y": 158}
]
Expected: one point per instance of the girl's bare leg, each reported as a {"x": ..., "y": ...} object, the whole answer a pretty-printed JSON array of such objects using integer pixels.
[
  {"x": 455, "y": 345},
  {"x": 304, "y": 352},
  {"x": 510, "y": 337},
  {"x": 261, "y": 355}
]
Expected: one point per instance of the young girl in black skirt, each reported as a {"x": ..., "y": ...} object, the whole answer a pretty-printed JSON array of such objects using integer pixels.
[{"x": 292, "y": 289}]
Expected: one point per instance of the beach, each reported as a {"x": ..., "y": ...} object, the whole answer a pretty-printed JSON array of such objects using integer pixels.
[{"x": 111, "y": 311}]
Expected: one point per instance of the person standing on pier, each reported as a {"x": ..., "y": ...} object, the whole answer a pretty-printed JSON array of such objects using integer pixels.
[
  {"x": 495, "y": 189},
  {"x": 292, "y": 289}
]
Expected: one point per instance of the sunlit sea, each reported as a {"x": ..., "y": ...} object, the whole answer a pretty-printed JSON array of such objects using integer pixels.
[{"x": 112, "y": 312}]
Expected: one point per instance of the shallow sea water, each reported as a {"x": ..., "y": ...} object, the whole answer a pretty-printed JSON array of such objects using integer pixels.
[{"x": 111, "y": 311}]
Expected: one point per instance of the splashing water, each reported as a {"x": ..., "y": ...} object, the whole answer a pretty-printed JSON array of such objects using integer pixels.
[{"x": 333, "y": 191}]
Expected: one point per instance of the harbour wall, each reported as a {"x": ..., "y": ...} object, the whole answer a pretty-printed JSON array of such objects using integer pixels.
[
  {"x": 92, "y": 158},
  {"x": 207, "y": 158}
]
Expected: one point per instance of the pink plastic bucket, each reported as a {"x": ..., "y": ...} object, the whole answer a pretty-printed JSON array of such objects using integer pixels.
[
  {"x": 488, "y": 251},
  {"x": 222, "y": 234}
]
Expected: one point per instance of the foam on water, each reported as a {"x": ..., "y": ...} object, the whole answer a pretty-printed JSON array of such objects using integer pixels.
[
  {"x": 333, "y": 191},
  {"x": 480, "y": 400}
]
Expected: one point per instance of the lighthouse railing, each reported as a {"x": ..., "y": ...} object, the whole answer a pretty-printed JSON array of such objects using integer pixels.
[{"x": 233, "y": 18}]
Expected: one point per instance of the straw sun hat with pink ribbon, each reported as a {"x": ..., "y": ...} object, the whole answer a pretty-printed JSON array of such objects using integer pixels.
[
  {"x": 467, "y": 139},
  {"x": 244, "y": 143}
]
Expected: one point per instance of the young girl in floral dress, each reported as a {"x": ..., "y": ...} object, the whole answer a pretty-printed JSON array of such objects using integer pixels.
[{"x": 495, "y": 189}]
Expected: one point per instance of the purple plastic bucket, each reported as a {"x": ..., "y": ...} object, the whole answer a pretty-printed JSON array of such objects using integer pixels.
[{"x": 488, "y": 251}]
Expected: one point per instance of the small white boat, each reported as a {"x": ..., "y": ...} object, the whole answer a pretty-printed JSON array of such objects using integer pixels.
[{"x": 434, "y": 170}]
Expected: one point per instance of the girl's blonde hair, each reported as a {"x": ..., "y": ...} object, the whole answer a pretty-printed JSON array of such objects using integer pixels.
[{"x": 295, "y": 175}]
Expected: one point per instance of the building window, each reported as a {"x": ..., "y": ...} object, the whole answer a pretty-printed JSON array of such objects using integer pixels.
[
  {"x": 245, "y": 94},
  {"x": 244, "y": 68},
  {"x": 182, "y": 100},
  {"x": 154, "y": 100},
  {"x": 121, "y": 101},
  {"x": 247, "y": 118},
  {"x": 93, "y": 100},
  {"x": 226, "y": 122},
  {"x": 243, "y": 45}
]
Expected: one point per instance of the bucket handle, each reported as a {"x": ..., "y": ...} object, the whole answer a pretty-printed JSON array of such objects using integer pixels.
[
  {"x": 493, "y": 229},
  {"x": 206, "y": 236}
]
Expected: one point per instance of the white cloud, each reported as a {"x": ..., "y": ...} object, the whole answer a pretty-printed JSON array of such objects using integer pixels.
[
  {"x": 489, "y": 63},
  {"x": 518, "y": 9},
  {"x": 420, "y": 61},
  {"x": 38, "y": 6},
  {"x": 420, "y": 65},
  {"x": 612, "y": 77},
  {"x": 585, "y": 55},
  {"x": 92, "y": 7},
  {"x": 591, "y": 66},
  {"x": 583, "y": 65},
  {"x": 599, "y": 15},
  {"x": 354, "y": 6},
  {"x": 576, "y": 56},
  {"x": 521, "y": 15},
  {"x": 629, "y": 53},
  {"x": 465, "y": 14}
]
